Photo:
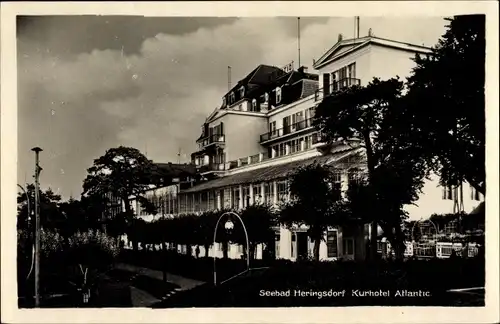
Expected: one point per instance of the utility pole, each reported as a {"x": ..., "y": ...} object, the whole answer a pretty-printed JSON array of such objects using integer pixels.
[
  {"x": 228, "y": 78},
  {"x": 298, "y": 36},
  {"x": 37, "y": 151},
  {"x": 357, "y": 26}
]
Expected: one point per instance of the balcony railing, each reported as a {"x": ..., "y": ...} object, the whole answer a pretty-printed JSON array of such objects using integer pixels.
[
  {"x": 211, "y": 167},
  {"x": 306, "y": 123},
  {"x": 216, "y": 138},
  {"x": 337, "y": 86}
]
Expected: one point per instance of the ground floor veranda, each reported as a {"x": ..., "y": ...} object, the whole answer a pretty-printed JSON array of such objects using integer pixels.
[{"x": 348, "y": 243}]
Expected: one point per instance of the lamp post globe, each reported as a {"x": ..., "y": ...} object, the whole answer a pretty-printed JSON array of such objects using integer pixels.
[{"x": 229, "y": 225}]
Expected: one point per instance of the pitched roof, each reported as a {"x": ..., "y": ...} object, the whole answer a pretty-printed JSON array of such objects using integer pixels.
[
  {"x": 343, "y": 47},
  {"x": 261, "y": 75},
  {"x": 269, "y": 173}
]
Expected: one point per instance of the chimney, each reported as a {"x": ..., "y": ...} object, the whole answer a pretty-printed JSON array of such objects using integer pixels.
[
  {"x": 340, "y": 37},
  {"x": 370, "y": 32},
  {"x": 302, "y": 69}
]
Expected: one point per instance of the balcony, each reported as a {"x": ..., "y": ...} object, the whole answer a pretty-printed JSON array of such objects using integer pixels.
[
  {"x": 285, "y": 131},
  {"x": 337, "y": 86},
  {"x": 211, "y": 139},
  {"x": 211, "y": 167}
]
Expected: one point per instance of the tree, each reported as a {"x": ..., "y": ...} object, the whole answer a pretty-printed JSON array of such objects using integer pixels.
[
  {"x": 206, "y": 230},
  {"x": 395, "y": 171},
  {"x": 259, "y": 221},
  {"x": 50, "y": 215},
  {"x": 313, "y": 202},
  {"x": 123, "y": 172},
  {"x": 445, "y": 104}
]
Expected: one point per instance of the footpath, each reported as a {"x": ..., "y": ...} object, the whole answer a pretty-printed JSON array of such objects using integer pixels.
[
  {"x": 182, "y": 282},
  {"x": 145, "y": 288}
]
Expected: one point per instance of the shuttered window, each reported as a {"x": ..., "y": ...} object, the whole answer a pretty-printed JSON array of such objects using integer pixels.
[{"x": 326, "y": 83}]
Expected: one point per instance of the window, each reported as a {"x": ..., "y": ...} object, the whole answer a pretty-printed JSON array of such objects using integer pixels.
[
  {"x": 298, "y": 121},
  {"x": 294, "y": 238},
  {"x": 257, "y": 194},
  {"x": 266, "y": 97},
  {"x": 235, "y": 203},
  {"x": 224, "y": 102},
  {"x": 242, "y": 92},
  {"x": 268, "y": 193},
  {"x": 348, "y": 246},
  {"x": 326, "y": 84},
  {"x": 282, "y": 190},
  {"x": 272, "y": 128},
  {"x": 282, "y": 149},
  {"x": 278, "y": 95},
  {"x": 351, "y": 70},
  {"x": 312, "y": 112},
  {"x": 293, "y": 146},
  {"x": 334, "y": 81},
  {"x": 337, "y": 185},
  {"x": 307, "y": 142},
  {"x": 286, "y": 125},
  {"x": 448, "y": 193},
  {"x": 246, "y": 196},
  {"x": 331, "y": 244},
  {"x": 231, "y": 98},
  {"x": 298, "y": 145}
]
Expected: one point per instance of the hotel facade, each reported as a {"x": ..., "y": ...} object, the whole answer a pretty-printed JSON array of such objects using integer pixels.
[{"x": 263, "y": 130}]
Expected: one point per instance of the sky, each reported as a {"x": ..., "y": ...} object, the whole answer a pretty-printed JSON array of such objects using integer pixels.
[{"x": 90, "y": 83}]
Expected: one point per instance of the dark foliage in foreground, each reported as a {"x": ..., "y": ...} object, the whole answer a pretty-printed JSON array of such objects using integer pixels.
[{"x": 435, "y": 276}]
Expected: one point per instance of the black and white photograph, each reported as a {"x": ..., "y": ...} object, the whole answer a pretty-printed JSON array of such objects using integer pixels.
[{"x": 172, "y": 162}]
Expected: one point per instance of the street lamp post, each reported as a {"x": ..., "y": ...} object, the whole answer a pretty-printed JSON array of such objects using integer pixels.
[
  {"x": 37, "y": 151},
  {"x": 229, "y": 226}
]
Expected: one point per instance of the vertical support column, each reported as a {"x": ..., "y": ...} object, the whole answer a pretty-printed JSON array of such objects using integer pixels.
[
  {"x": 285, "y": 243},
  {"x": 323, "y": 247},
  {"x": 287, "y": 149},
  {"x": 240, "y": 191},
  {"x": 250, "y": 188},
  {"x": 262, "y": 193},
  {"x": 344, "y": 183},
  {"x": 273, "y": 152},
  {"x": 275, "y": 193},
  {"x": 219, "y": 202}
]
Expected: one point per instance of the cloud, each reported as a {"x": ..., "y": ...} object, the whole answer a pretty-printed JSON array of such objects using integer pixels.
[{"x": 75, "y": 106}]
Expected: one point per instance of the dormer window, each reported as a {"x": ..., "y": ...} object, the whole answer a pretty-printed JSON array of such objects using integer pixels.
[
  {"x": 242, "y": 92},
  {"x": 254, "y": 104},
  {"x": 224, "y": 102},
  {"x": 266, "y": 97},
  {"x": 278, "y": 95},
  {"x": 231, "y": 98}
]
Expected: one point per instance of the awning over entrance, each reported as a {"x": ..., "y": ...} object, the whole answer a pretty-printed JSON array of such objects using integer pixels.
[{"x": 269, "y": 173}]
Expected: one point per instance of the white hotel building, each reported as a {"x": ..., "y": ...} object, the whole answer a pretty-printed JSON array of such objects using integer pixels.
[{"x": 262, "y": 131}]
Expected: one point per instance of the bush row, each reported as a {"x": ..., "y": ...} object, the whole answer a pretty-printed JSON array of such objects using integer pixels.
[{"x": 198, "y": 229}]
